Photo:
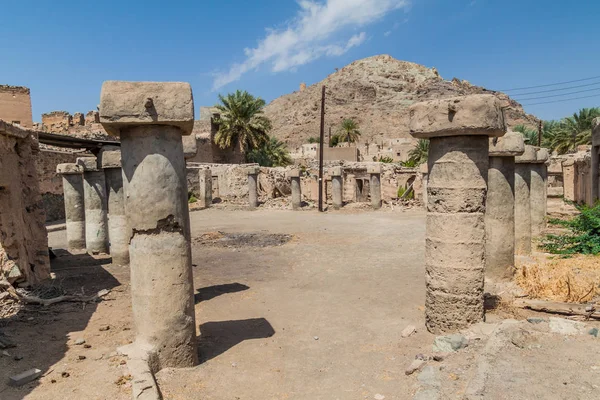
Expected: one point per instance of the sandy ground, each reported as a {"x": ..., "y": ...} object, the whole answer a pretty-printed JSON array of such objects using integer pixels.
[{"x": 316, "y": 317}]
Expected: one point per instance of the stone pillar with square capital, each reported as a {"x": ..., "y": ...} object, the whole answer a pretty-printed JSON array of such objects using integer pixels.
[
  {"x": 96, "y": 211},
  {"x": 72, "y": 180},
  {"x": 118, "y": 232},
  {"x": 150, "y": 119},
  {"x": 500, "y": 206},
  {"x": 458, "y": 129},
  {"x": 523, "y": 200}
]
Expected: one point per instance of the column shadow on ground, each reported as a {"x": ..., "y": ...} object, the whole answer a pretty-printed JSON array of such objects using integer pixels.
[
  {"x": 210, "y": 292},
  {"x": 218, "y": 337}
]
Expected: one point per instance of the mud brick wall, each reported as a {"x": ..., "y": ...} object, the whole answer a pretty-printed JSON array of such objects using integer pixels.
[
  {"x": 23, "y": 236},
  {"x": 50, "y": 182}
]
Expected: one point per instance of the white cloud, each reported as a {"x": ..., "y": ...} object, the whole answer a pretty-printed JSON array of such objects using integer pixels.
[
  {"x": 387, "y": 33},
  {"x": 310, "y": 35}
]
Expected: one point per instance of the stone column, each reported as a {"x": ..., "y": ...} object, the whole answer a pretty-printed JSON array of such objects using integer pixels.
[
  {"x": 539, "y": 192},
  {"x": 424, "y": 170},
  {"x": 374, "y": 172},
  {"x": 253, "y": 186},
  {"x": 205, "y": 188},
  {"x": 150, "y": 118},
  {"x": 500, "y": 206},
  {"x": 294, "y": 175},
  {"x": 72, "y": 180},
  {"x": 118, "y": 233},
  {"x": 337, "y": 187},
  {"x": 458, "y": 129},
  {"x": 94, "y": 193},
  {"x": 523, "y": 201}
]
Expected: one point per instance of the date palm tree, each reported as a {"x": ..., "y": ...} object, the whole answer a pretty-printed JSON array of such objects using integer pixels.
[
  {"x": 272, "y": 153},
  {"x": 349, "y": 130},
  {"x": 241, "y": 121},
  {"x": 420, "y": 153}
]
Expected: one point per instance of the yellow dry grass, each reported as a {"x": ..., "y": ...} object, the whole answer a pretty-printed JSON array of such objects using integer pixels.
[{"x": 570, "y": 280}]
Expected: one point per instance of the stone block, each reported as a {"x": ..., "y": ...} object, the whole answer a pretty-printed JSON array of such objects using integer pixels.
[
  {"x": 528, "y": 156},
  {"x": 374, "y": 169},
  {"x": 254, "y": 170},
  {"x": 542, "y": 155},
  {"x": 25, "y": 377},
  {"x": 424, "y": 168},
  {"x": 477, "y": 114},
  {"x": 336, "y": 171},
  {"x": 509, "y": 145},
  {"x": 293, "y": 173},
  {"x": 190, "y": 146},
  {"x": 110, "y": 157},
  {"x": 127, "y": 104},
  {"x": 69, "y": 168},
  {"x": 88, "y": 163}
]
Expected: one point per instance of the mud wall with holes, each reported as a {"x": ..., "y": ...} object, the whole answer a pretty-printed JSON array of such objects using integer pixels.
[{"x": 23, "y": 236}]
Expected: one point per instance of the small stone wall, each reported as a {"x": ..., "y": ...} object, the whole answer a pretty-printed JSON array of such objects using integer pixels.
[
  {"x": 23, "y": 236},
  {"x": 230, "y": 181}
]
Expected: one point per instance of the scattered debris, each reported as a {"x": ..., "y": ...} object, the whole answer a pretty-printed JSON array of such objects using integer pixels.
[
  {"x": 415, "y": 366},
  {"x": 25, "y": 377},
  {"x": 558, "y": 308},
  {"x": 81, "y": 357},
  {"x": 104, "y": 328},
  {"x": 123, "y": 379},
  {"x": 316, "y": 337},
  {"x": 535, "y": 320},
  {"x": 408, "y": 331},
  {"x": 79, "y": 342},
  {"x": 65, "y": 374},
  {"x": 379, "y": 397},
  {"x": 450, "y": 343},
  {"x": 27, "y": 298},
  {"x": 565, "y": 326},
  {"x": 593, "y": 332},
  {"x": 18, "y": 357},
  {"x": 224, "y": 239}
]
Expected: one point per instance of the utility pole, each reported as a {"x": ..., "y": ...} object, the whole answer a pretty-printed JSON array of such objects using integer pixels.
[
  {"x": 540, "y": 134},
  {"x": 321, "y": 149},
  {"x": 329, "y": 138}
]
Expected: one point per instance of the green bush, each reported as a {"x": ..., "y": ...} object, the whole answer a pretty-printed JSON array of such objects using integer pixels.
[
  {"x": 411, "y": 163},
  {"x": 385, "y": 160},
  {"x": 584, "y": 235},
  {"x": 191, "y": 198}
]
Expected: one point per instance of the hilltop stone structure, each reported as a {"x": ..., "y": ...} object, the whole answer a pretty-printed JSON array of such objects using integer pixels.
[
  {"x": 15, "y": 106},
  {"x": 458, "y": 129}
]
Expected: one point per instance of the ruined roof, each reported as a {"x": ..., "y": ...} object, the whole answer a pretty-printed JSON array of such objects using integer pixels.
[{"x": 17, "y": 89}]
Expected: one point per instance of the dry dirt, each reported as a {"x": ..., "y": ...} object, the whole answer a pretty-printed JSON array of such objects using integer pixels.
[{"x": 298, "y": 305}]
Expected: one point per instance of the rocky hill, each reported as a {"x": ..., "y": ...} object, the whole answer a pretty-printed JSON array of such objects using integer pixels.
[{"x": 376, "y": 92}]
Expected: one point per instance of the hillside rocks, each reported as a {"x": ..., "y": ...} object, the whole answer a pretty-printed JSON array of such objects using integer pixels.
[{"x": 376, "y": 92}]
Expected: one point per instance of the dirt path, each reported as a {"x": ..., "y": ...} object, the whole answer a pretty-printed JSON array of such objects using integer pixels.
[{"x": 290, "y": 305}]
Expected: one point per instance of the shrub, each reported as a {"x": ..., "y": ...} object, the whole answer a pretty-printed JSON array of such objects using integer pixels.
[
  {"x": 402, "y": 190},
  {"x": 386, "y": 159},
  {"x": 191, "y": 198},
  {"x": 584, "y": 235}
]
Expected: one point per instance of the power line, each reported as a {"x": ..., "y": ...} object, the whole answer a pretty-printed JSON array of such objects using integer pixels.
[
  {"x": 558, "y": 95},
  {"x": 556, "y": 90},
  {"x": 550, "y": 84},
  {"x": 558, "y": 101}
]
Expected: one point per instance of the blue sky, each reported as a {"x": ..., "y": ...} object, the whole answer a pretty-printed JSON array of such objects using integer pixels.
[{"x": 64, "y": 50}]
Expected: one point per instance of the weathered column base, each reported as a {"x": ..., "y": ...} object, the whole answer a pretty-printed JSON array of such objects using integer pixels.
[
  {"x": 337, "y": 187},
  {"x": 253, "y": 186},
  {"x": 374, "y": 172},
  {"x": 294, "y": 176}
]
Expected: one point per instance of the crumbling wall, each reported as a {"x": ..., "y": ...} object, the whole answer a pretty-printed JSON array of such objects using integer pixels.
[
  {"x": 230, "y": 181},
  {"x": 50, "y": 183},
  {"x": 15, "y": 105},
  {"x": 23, "y": 236}
]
